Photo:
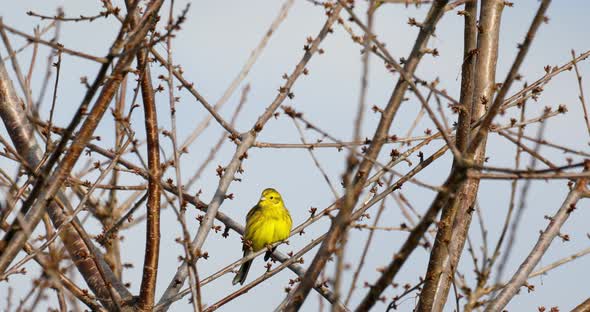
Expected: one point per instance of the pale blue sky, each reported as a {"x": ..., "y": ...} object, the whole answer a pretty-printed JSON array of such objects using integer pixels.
[{"x": 214, "y": 43}]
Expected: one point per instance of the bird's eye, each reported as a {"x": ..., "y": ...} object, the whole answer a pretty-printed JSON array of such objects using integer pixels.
[{"x": 271, "y": 197}]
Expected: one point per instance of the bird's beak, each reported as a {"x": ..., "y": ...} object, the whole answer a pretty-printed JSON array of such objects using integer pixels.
[{"x": 262, "y": 198}]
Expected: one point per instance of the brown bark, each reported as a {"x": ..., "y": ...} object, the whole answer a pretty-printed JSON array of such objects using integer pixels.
[
  {"x": 88, "y": 260},
  {"x": 152, "y": 248},
  {"x": 449, "y": 243},
  {"x": 583, "y": 307},
  {"x": 21, "y": 133}
]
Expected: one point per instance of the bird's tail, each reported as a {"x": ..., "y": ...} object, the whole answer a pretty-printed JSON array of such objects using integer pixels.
[{"x": 241, "y": 275}]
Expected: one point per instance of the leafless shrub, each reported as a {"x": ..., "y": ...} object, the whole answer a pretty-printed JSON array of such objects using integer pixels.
[{"x": 77, "y": 178}]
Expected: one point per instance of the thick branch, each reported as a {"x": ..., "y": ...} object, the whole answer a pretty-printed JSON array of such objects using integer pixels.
[
  {"x": 152, "y": 243},
  {"x": 21, "y": 132},
  {"x": 440, "y": 271},
  {"x": 46, "y": 188}
]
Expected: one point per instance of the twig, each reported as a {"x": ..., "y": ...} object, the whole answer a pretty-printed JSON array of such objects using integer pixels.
[
  {"x": 549, "y": 144},
  {"x": 28, "y": 43},
  {"x": 264, "y": 277},
  {"x": 243, "y": 72},
  {"x": 529, "y": 151},
  {"x": 47, "y": 187},
  {"x": 17, "y": 69},
  {"x": 520, "y": 211},
  {"x": 57, "y": 46},
  {"x": 63, "y": 225},
  {"x": 62, "y": 18},
  {"x": 581, "y": 88},
  {"x": 549, "y": 74},
  {"x": 365, "y": 249},
  {"x": 349, "y": 174},
  {"x": 246, "y": 142},
  {"x": 315, "y": 159},
  {"x": 547, "y": 236},
  {"x": 533, "y": 176},
  {"x": 221, "y": 140}
]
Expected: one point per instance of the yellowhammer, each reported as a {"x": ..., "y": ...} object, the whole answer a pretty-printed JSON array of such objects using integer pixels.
[{"x": 266, "y": 223}]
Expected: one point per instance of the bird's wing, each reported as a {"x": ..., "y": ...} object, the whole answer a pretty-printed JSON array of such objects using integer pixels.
[
  {"x": 252, "y": 212},
  {"x": 249, "y": 217}
]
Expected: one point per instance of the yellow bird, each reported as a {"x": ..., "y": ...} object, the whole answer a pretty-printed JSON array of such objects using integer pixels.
[{"x": 266, "y": 223}]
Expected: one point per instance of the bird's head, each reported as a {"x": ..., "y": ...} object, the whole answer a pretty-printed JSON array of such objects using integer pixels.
[{"x": 270, "y": 197}]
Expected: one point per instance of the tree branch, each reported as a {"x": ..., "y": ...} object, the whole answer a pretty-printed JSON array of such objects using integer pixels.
[
  {"x": 152, "y": 243},
  {"x": 547, "y": 236}
]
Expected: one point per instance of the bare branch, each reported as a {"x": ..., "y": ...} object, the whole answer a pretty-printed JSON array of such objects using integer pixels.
[
  {"x": 152, "y": 243},
  {"x": 547, "y": 236}
]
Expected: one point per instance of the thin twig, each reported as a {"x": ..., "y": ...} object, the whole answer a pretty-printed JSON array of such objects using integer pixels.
[
  {"x": 243, "y": 72},
  {"x": 547, "y": 236},
  {"x": 581, "y": 88}
]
